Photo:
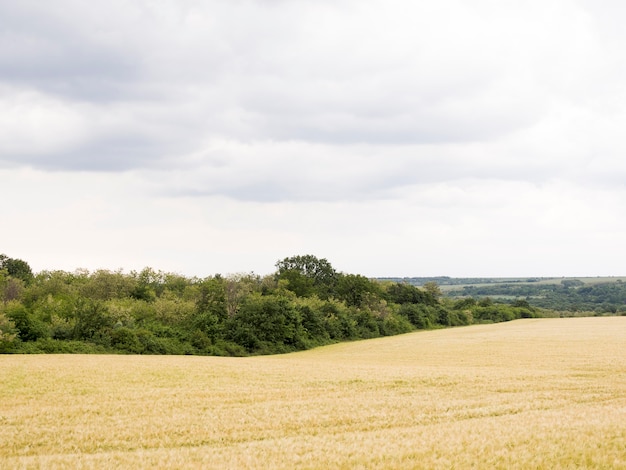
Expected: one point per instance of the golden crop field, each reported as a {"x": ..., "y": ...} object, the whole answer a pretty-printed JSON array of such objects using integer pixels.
[{"x": 537, "y": 393}]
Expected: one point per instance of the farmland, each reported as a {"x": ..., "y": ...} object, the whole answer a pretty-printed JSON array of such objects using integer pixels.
[
  {"x": 540, "y": 393},
  {"x": 564, "y": 296}
]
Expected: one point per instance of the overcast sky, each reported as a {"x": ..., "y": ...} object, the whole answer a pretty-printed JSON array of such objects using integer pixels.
[{"x": 391, "y": 137}]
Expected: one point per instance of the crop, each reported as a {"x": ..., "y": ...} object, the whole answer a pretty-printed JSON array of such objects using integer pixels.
[{"x": 535, "y": 393}]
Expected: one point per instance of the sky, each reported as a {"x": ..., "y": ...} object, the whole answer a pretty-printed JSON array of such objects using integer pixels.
[{"x": 391, "y": 137}]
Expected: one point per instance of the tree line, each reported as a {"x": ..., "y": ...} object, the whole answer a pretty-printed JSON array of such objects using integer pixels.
[
  {"x": 570, "y": 295},
  {"x": 305, "y": 303}
]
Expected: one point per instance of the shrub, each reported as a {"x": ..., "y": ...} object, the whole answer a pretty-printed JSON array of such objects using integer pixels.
[
  {"x": 421, "y": 316},
  {"x": 264, "y": 320},
  {"x": 53, "y": 346},
  {"x": 395, "y": 324},
  {"x": 126, "y": 340},
  {"x": 8, "y": 334},
  {"x": 28, "y": 326}
]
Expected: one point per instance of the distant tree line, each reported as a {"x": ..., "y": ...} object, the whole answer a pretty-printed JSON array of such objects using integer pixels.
[
  {"x": 457, "y": 281},
  {"x": 570, "y": 295},
  {"x": 305, "y": 303}
]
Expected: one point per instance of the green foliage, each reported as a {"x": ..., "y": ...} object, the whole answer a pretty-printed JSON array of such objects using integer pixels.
[
  {"x": 29, "y": 327},
  {"x": 313, "y": 320},
  {"x": 486, "y": 310},
  {"x": 465, "y": 303},
  {"x": 16, "y": 268},
  {"x": 55, "y": 346},
  {"x": 107, "y": 285},
  {"x": 237, "y": 288},
  {"x": 394, "y": 324},
  {"x": 306, "y": 303},
  {"x": 571, "y": 295},
  {"x": 127, "y": 340},
  {"x": 402, "y": 293},
  {"x": 421, "y": 316},
  {"x": 432, "y": 291},
  {"x": 92, "y": 320},
  {"x": 268, "y": 323},
  {"x": 308, "y": 275},
  {"x": 366, "y": 324},
  {"x": 338, "y": 321},
  {"x": 211, "y": 298},
  {"x": 8, "y": 334},
  {"x": 354, "y": 288},
  {"x": 143, "y": 292},
  {"x": 11, "y": 289}
]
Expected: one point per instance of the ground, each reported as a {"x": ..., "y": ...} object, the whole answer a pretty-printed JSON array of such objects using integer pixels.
[{"x": 536, "y": 393}]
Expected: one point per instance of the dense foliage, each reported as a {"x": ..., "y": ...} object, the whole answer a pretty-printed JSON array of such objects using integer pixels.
[
  {"x": 305, "y": 303},
  {"x": 570, "y": 295}
]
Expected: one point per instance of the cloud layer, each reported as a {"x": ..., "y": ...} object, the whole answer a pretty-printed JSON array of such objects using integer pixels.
[{"x": 429, "y": 119}]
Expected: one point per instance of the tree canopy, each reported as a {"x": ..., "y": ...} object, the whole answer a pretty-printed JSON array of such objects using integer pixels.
[
  {"x": 303, "y": 304},
  {"x": 16, "y": 268}
]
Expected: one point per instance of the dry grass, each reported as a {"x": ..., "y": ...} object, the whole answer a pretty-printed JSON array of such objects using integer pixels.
[{"x": 541, "y": 393}]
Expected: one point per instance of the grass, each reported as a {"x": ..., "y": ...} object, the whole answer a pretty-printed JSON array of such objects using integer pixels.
[{"x": 537, "y": 393}]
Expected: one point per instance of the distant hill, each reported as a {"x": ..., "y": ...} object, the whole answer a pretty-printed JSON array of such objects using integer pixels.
[{"x": 598, "y": 295}]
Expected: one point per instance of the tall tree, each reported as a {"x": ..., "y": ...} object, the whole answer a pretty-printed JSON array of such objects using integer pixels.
[
  {"x": 354, "y": 288},
  {"x": 16, "y": 268},
  {"x": 308, "y": 275}
]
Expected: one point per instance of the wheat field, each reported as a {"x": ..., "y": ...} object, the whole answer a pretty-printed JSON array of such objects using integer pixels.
[{"x": 537, "y": 393}]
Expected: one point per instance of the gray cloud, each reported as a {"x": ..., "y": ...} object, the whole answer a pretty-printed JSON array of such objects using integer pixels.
[
  {"x": 294, "y": 171},
  {"x": 392, "y": 137},
  {"x": 358, "y": 99},
  {"x": 45, "y": 47}
]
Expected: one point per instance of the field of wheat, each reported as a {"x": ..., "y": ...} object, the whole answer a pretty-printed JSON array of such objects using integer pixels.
[{"x": 537, "y": 393}]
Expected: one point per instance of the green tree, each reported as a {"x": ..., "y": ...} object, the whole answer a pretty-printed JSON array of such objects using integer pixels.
[
  {"x": 126, "y": 340},
  {"x": 28, "y": 326},
  {"x": 10, "y": 287},
  {"x": 420, "y": 315},
  {"x": 212, "y": 297},
  {"x": 92, "y": 320},
  {"x": 404, "y": 293},
  {"x": 312, "y": 317},
  {"x": 464, "y": 303},
  {"x": 237, "y": 288},
  {"x": 8, "y": 333},
  {"x": 338, "y": 320},
  {"x": 432, "y": 291},
  {"x": 13, "y": 289},
  {"x": 107, "y": 285},
  {"x": 353, "y": 289},
  {"x": 308, "y": 275},
  {"x": 16, "y": 268},
  {"x": 267, "y": 323},
  {"x": 150, "y": 283}
]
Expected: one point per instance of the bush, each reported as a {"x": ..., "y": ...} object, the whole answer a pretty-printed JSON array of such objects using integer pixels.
[
  {"x": 92, "y": 320},
  {"x": 264, "y": 320},
  {"x": 312, "y": 315},
  {"x": 419, "y": 315},
  {"x": 28, "y": 326},
  {"x": 403, "y": 293},
  {"x": 228, "y": 348},
  {"x": 339, "y": 324},
  {"x": 366, "y": 324},
  {"x": 395, "y": 324},
  {"x": 126, "y": 340},
  {"x": 8, "y": 334},
  {"x": 53, "y": 346},
  {"x": 153, "y": 344}
]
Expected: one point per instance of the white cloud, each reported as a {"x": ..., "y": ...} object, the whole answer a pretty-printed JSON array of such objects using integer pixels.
[
  {"x": 396, "y": 137},
  {"x": 33, "y": 124},
  {"x": 465, "y": 228}
]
